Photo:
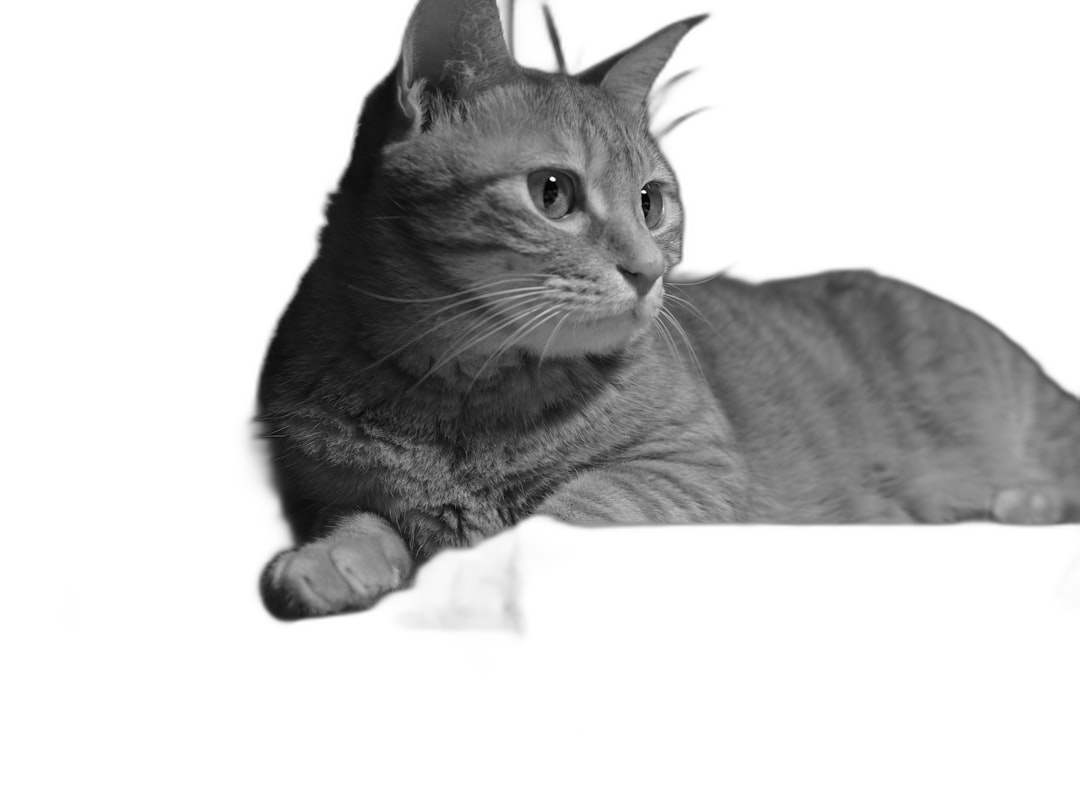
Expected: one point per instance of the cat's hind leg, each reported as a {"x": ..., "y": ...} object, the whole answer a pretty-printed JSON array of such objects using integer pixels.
[
  {"x": 1053, "y": 450},
  {"x": 349, "y": 569},
  {"x": 1034, "y": 504}
]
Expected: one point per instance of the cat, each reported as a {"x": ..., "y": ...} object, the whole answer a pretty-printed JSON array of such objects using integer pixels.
[{"x": 484, "y": 335}]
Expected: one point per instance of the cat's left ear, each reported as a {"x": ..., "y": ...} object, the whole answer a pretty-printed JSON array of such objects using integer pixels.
[{"x": 629, "y": 75}]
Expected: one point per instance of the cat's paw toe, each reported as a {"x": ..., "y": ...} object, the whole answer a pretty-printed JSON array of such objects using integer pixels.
[
  {"x": 348, "y": 571},
  {"x": 1029, "y": 505},
  {"x": 367, "y": 570},
  {"x": 300, "y": 584}
]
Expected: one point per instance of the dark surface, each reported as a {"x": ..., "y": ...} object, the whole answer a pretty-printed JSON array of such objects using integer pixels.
[{"x": 928, "y": 146}]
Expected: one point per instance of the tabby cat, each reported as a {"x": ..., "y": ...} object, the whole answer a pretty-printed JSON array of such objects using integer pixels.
[{"x": 483, "y": 336}]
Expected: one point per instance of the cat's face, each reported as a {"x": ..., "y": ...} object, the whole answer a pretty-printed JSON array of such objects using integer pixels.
[
  {"x": 553, "y": 187},
  {"x": 540, "y": 199}
]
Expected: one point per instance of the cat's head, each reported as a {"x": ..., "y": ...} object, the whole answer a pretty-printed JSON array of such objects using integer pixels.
[{"x": 540, "y": 201}]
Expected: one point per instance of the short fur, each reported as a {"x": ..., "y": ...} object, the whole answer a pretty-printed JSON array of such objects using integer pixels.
[{"x": 454, "y": 361}]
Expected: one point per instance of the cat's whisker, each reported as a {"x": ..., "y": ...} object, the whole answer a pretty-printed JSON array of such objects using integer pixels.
[
  {"x": 707, "y": 279},
  {"x": 682, "y": 119},
  {"x": 685, "y": 339},
  {"x": 502, "y": 325},
  {"x": 665, "y": 334},
  {"x": 485, "y": 324},
  {"x": 466, "y": 292},
  {"x": 676, "y": 354},
  {"x": 417, "y": 338},
  {"x": 460, "y": 350},
  {"x": 414, "y": 340},
  {"x": 552, "y": 338},
  {"x": 391, "y": 199},
  {"x": 686, "y": 304},
  {"x": 477, "y": 310},
  {"x": 536, "y": 322},
  {"x": 533, "y": 323},
  {"x": 471, "y": 290}
]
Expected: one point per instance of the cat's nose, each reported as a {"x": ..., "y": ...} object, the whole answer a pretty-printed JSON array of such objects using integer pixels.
[{"x": 642, "y": 272}]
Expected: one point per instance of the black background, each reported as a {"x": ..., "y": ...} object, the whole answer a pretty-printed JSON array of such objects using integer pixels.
[{"x": 926, "y": 145}]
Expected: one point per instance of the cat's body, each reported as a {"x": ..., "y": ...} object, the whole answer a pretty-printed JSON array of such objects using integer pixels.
[{"x": 460, "y": 357}]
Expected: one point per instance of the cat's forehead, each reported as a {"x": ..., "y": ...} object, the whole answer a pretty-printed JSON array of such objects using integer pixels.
[{"x": 557, "y": 120}]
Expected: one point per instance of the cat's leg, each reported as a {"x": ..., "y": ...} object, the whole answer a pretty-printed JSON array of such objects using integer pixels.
[
  {"x": 1052, "y": 452},
  {"x": 652, "y": 492},
  {"x": 1032, "y": 504},
  {"x": 347, "y": 569},
  {"x": 1050, "y": 455}
]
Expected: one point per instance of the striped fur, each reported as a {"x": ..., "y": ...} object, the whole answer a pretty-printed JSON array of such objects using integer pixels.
[{"x": 455, "y": 361}]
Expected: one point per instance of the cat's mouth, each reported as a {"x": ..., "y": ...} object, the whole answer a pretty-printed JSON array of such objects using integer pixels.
[{"x": 589, "y": 334}]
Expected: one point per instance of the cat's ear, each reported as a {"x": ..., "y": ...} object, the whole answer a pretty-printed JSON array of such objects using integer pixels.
[
  {"x": 454, "y": 47},
  {"x": 629, "y": 75},
  {"x": 451, "y": 49}
]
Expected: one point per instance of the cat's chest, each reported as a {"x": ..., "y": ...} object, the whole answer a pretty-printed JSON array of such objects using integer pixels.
[{"x": 461, "y": 487}]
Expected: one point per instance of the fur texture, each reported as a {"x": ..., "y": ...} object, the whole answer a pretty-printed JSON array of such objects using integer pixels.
[{"x": 458, "y": 358}]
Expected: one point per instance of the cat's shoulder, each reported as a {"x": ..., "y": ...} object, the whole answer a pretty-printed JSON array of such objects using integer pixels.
[
  {"x": 835, "y": 284},
  {"x": 868, "y": 308},
  {"x": 855, "y": 289}
]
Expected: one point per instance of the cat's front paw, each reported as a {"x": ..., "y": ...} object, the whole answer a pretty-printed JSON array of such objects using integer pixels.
[
  {"x": 348, "y": 570},
  {"x": 1030, "y": 505}
]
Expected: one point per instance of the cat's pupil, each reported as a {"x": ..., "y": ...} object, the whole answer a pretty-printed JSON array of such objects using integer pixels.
[
  {"x": 551, "y": 191},
  {"x": 652, "y": 204}
]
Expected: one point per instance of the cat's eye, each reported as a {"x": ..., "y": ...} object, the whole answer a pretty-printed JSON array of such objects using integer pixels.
[
  {"x": 552, "y": 192},
  {"x": 652, "y": 204}
]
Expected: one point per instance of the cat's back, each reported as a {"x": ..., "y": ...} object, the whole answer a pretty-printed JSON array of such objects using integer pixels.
[
  {"x": 814, "y": 334},
  {"x": 852, "y": 392}
]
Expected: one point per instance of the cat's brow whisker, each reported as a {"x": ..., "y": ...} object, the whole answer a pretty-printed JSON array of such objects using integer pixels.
[
  {"x": 553, "y": 35},
  {"x": 682, "y": 119},
  {"x": 659, "y": 96}
]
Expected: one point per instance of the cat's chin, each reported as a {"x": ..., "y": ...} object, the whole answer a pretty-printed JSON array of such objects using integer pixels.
[{"x": 590, "y": 336}]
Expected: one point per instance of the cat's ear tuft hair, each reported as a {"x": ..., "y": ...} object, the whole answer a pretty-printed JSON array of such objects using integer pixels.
[
  {"x": 629, "y": 74},
  {"x": 452, "y": 47}
]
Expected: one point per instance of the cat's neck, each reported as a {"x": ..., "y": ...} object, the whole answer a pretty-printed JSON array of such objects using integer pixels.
[
  {"x": 389, "y": 361},
  {"x": 512, "y": 390}
]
